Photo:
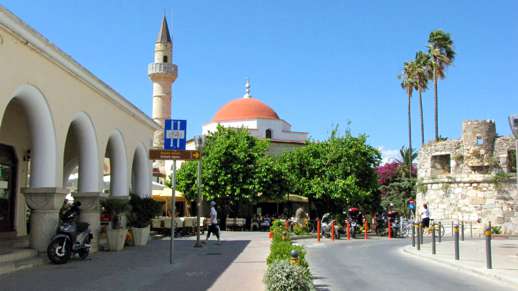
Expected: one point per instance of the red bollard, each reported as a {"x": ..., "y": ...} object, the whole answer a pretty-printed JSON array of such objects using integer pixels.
[
  {"x": 333, "y": 231},
  {"x": 318, "y": 230},
  {"x": 365, "y": 228},
  {"x": 270, "y": 235},
  {"x": 389, "y": 229},
  {"x": 348, "y": 230}
]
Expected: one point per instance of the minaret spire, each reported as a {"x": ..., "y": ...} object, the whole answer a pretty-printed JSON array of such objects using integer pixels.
[
  {"x": 163, "y": 35},
  {"x": 247, "y": 86}
]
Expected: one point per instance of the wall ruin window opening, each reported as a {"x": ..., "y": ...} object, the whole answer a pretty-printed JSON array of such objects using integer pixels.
[
  {"x": 480, "y": 140},
  {"x": 511, "y": 161},
  {"x": 441, "y": 165}
]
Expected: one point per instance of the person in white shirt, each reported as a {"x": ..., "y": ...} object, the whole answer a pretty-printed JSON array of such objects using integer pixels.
[
  {"x": 426, "y": 216},
  {"x": 213, "y": 227}
]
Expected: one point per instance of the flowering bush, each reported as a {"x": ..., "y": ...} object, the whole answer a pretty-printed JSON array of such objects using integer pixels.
[{"x": 283, "y": 276}]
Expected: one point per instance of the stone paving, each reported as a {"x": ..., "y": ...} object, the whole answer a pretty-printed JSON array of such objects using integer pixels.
[
  {"x": 237, "y": 264},
  {"x": 473, "y": 258}
]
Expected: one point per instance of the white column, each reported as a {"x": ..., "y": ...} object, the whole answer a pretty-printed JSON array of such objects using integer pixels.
[
  {"x": 91, "y": 213},
  {"x": 45, "y": 204}
]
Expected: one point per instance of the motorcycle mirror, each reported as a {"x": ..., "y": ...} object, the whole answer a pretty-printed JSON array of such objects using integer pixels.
[{"x": 78, "y": 203}]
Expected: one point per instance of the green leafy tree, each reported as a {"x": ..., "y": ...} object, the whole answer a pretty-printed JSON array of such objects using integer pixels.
[
  {"x": 440, "y": 49},
  {"x": 335, "y": 173},
  {"x": 235, "y": 170}
]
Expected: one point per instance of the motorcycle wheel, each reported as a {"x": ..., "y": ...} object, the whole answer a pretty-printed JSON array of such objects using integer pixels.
[
  {"x": 83, "y": 253},
  {"x": 52, "y": 251}
]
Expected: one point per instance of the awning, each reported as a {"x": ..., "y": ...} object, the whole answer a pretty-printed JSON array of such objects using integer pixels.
[
  {"x": 166, "y": 195},
  {"x": 291, "y": 198}
]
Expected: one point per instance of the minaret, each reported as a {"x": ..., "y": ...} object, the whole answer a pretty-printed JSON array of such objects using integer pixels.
[{"x": 162, "y": 73}]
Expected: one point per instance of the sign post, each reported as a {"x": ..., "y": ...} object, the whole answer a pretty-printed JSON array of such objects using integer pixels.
[{"x": 174, "y": 149}]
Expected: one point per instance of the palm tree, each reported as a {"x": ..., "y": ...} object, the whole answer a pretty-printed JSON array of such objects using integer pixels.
[
  {"x": 407, "y": 158},
  {"x": 422, "y": 75},
  {"x": 440, "y": 49},
  {"x": 408, "y": 83}
]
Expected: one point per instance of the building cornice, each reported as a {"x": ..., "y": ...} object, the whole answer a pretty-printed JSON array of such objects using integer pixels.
[{"x": 37, "y": 42}]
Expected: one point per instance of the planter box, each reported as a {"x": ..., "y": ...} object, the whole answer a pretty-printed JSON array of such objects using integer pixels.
[
  {"x": 116, "y": 239},
  {"x": 140, "y": 235}
]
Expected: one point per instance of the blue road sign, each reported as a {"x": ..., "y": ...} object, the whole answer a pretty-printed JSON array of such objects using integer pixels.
[{"x": 175, "y": 133}]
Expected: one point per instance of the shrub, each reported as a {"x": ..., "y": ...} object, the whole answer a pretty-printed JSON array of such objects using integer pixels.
[
  {"x": 278, "y": 231},
  {"x": 300, "y": 229},
  {"x": 142, "y": 210},
  {"x": 282, "y": 276},
  {"x": 116, "y": 208},
  {"x": 496, "y": 229},
  {"x": 281, "y": 251}
]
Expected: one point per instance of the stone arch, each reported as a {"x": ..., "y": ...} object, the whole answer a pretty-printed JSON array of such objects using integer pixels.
[
  {"x": 140, "y": 173},
  {"x": 81, "y": 150},
  {"x": 42, "y": 134},
  {"x": 116, "y": 152}
]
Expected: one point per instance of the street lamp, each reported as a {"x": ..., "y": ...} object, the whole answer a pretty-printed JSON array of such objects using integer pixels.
[
  {"x": 198, "y": 141},
  {"x": 513, "y": 123}
]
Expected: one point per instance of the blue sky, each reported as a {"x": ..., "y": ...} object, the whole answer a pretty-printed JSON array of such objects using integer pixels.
[{"x": 317, "y": 63}]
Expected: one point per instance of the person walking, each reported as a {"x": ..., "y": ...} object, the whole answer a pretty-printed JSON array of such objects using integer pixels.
[
  {"x": 425, "y": 222},
  {"x": 213, "y": 227}
]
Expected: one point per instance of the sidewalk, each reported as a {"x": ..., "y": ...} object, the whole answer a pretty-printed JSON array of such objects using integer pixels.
[
  {"x": 238, "y": 263},
  {"x": 473, "y": 258},
  {"x": 247, "y": 270}
]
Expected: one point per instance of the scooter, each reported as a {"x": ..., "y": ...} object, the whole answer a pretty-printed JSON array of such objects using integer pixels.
[
  {"x": 354, "y": 218},
  {"x": 71, "y": 237},
  {"x": 326, "y": 226}
]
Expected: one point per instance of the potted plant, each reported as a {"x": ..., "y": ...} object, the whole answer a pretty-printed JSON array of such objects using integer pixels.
[
  {"x": 142, "y": 211},
  {"x": 116, "y": 208}
]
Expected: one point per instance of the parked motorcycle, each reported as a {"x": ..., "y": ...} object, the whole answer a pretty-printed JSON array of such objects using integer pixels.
[
  {"x": 71, "y": 237},
  {"x": 326, "y": 225}
]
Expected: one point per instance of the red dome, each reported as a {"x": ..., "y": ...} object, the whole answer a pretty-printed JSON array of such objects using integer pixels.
[{"x": 244, "y": 109}]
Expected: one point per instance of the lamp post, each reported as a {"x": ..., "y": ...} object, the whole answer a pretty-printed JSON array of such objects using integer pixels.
[
  {"x": 513, "y": 123},
  {"x": 199, "y": 146}
]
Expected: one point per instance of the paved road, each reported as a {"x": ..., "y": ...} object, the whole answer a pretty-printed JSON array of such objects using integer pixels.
[{"x": 380, "y": 265}]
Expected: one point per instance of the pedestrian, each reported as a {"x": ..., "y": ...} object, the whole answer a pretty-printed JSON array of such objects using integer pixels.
[
  {"x": 213, "y": 227},
  {"x": 425, "y": 222}
]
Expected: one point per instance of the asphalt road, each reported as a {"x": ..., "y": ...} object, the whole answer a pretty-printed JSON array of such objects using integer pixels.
[{"x": 380, "y": 265}]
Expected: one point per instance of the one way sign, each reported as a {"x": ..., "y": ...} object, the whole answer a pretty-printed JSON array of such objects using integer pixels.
[{"x": 175, "y": 133}]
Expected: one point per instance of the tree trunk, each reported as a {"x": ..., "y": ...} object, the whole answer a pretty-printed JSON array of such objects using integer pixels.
[
  {"x": 422, "y": 116},
  {"x": 436, "y": 104},
  {"x": 410, "y": 134}
]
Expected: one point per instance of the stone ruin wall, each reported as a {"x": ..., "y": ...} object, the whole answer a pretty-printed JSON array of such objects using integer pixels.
[{"x": 466, "y": 187}]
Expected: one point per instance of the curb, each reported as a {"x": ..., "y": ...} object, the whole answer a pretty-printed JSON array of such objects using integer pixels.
[{"x": 488, "y": 274}]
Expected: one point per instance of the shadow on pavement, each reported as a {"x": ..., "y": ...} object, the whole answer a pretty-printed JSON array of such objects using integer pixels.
[{"x": 134, "y": 268}]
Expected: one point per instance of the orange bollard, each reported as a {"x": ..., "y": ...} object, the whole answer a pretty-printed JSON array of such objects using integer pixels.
[
  {"x": 389, "y": 229},
  {"x": 365, "y": 228},
  {"x": 333, "y": 231},
  {"x": 348, "y": 230},
  {"x": 318, "y": 230},
  {"x": 270, "y": 235},
  {"x": 286, "y": 226}
]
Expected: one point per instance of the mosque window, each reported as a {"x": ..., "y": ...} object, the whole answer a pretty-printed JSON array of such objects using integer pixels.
[
  {"x": 164, "y": 58},
  {"x": 268, "y": 133}
]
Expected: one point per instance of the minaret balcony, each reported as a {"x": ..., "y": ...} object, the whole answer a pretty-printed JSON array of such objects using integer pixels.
[{"x": 162, "y": 69}]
